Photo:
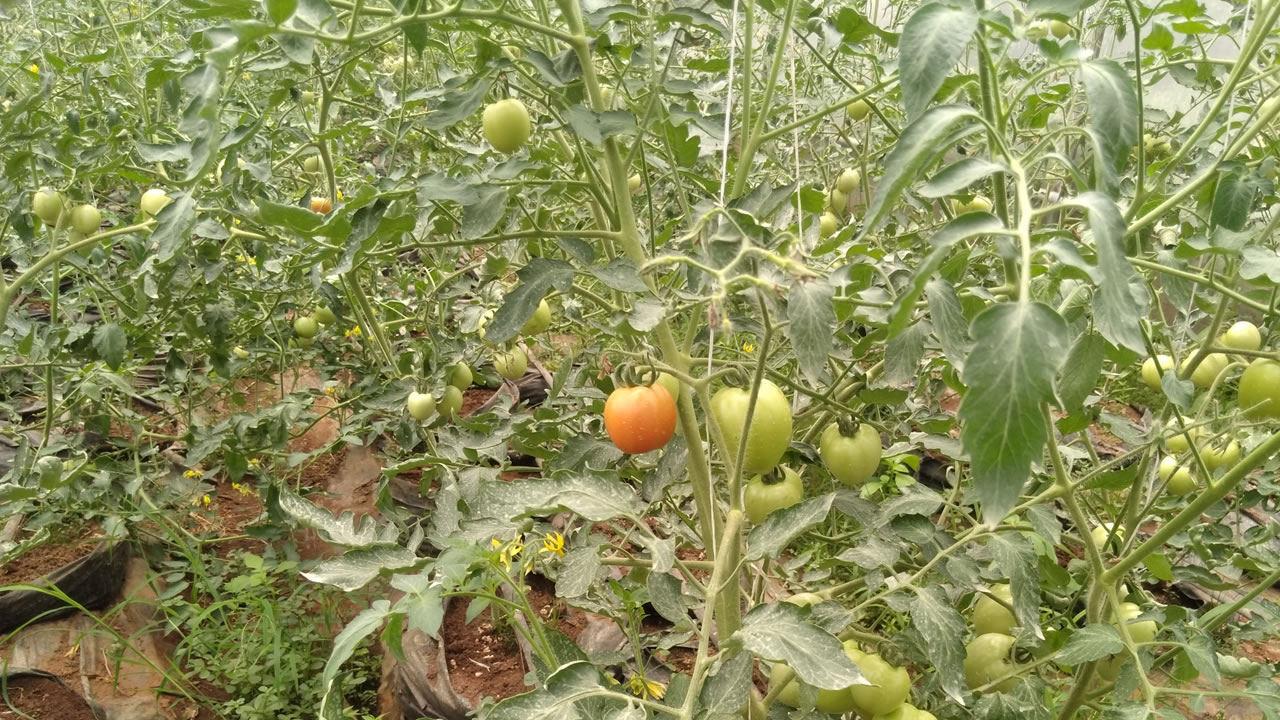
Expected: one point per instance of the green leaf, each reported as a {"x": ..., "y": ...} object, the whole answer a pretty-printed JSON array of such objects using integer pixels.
[
  {"x": 812, "y": 324},
  {"x": 280, "y": 10},
  {"x": 1081, "y": 371},
  {"x": 1121, "y": 300},
  {"x": 536, "y": 279},
  {"x": 291, "y": 217},
  {"x": 358, "y": 567},
  {"x": 578, "y": 573},
  {"x": 621, "y": 275},
  {"x": 594, "y": 127},
  {"x": 173, "y": 226},
  {"x": 943, "y": 631},
  {"x": 937, "y": 35},
  {"x": 902, "y": 355},
  {"x": 1091, "y": 642},
  {"x": 1234, "y": 196},
  {"x": 109, "y": 342},
  {"x": 1058, "y": 7},
  {"x": 914, "y": 148},
  {"x": 1016, "y": 560},
  {"x": 966, "y": 226},
  {"x": 457, "y": 105},
  {"x": 782, "y": 526},
  {"x": 728, "y": 687},
  {"x": 959, "y": 176},
  {"x": 1203, "y": 654},
  {"x": 1159, "y": 566},
  {"x": 665, "y": 595},
  {"x": 1260, "y": 262},
  {"x": 480, "y": 217},
  {"x": 1158, "y": 38},
  {"x": 949, "y": 322},
  {"x": 1018, "y": 348},
  {"x": 340, "y": 530},
  {"x": 1113, "y": 105},
  {"x": 344, "y": 645},
  {"x": 555, "y": 701},
  {"x": 777, "y": 631}
]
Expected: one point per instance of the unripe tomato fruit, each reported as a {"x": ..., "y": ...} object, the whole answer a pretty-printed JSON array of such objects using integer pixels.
[
  {"x": 1151, "y": 374},
  {"x": 640, "y": 419},
  {"x": 539, "y": 321},
  {"x": 906, "y": 711},
  {"x": 851, "y": 459},
  {"x": 511, "y": 364},
  {"x": 804, "y": 599},
  {"x": 324, "y": 315},
  {"x": 1243, "y": 335},
  {"x": 670, "y": 383},
  {"x": 848, "y": 180},
  {"x": 460, "y": 376},
  {"x": 321, "y": 205},
  {"x": 305, "y": 342},
  {"x": 987, "y": 658},
  {"x": 307, "y": 97},
  {"x": 1102, "y": 532},
  {"x": 48, "y": 205},
  {"x": 1059, "y": 29},
  {"x": 766, "y": 493},
  {"x": 837, "y": 200},
  {"x": 890, "y": 686},
  {"x": 977, "y": 204},
  {"x": 828, "y": 224},
  {"x": 1207, "y": 370},
  {"x": 1259, "y": 393},
  {"x": 1142, "y": 631},
  {"x": 1179, "y": 478},
  {"x": 311, "y": 163},
  {"x": 85, "y": 219},
  {"x": 506, "y": 125},
  {"x": 990, "y": 616},
  {"x": 1221, "y": 456},
  {"x": 421, "y": 405},
  {"x": 635, "y": 184},
  {"x": 240, "y": 352},
  {"x": 1180, "y": 443},
  {"x": 857, "y": 109},
  {"x": 153, "y": 201},
  {"x": 770, "y": 425},
  {"x": 306, "y": 327},
  {"x": 450, "y": 402}
]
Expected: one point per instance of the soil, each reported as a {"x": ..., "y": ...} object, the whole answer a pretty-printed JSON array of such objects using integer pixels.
[
  {"x": 43, "y": 699},
  {"x": 482, "y": 661},
  {"x": 44, "y": 559},
  {"x": 474, "y": 398}
]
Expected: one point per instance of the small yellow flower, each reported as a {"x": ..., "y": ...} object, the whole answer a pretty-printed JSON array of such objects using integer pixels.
[
  {"x": 553, "y": 542},
  {"x": 339, "y": 195},
  {"x": 645, "y": 688},
  {"x": 748, "y": 347},
  {"x": 34, "y": 68},
  {"x": 202, "y": 500},
  {"x": 353, "y": 332},
  {"x": 509, "y": 551},
  {"x": 255, "y": 462},
  {"x": 193, "y": 473},
  {"x": 243, "y": 489},
  {"x": 331, "y": 389}
]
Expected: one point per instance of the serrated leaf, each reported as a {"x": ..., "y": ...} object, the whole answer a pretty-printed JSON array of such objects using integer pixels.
[
  {"x": 1233, "y": 197},
  {"x": 1121, "y": 299},
  {"x": 943, "y": 631},
  {"x": 782, "y": 526},
  {"x": 727, "y": 689},
  {"x": 1017, "y": 561},
  {"x": 594, "y": 127},
  {"x": 358, "y": 567},
  {"x": 1081, "y": 371},
  {"x": 1113, "y": 105},
  {"x": 812, "y": 324},
  {"x": 1009, "y": 374},
  {"x": 916, "y": 145},
  {"x": 966, "y": 226},
  {"x": 341, "y": 530},
  {"x": 173, "y": 226},
  {"x": 578, "y": 573},
  {"x": 480, "y": 217},
  {"x": 109, "y": 341},
  {"x": 621, "y": 275},
  {"x": 777, "y": 631},
  {"x": 959, "y": 176},
  {"x": 1091, "y": 642},
  {"x": 949, "y": 322},
  {"x": 665, "y": 595},
  {"x": 554, "y": 701},
  {"x": 937, "y": 35},
  {"x": 456, "y": 106},
  {"x": 536, "y": 280},
  {"x": 1203, "y": 654}
]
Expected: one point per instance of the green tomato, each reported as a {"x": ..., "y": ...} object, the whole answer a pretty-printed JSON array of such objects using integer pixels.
[
  {"x": 1059, "y": 29},
  {"x": 790, "y": 695},
  {"x": 450, "y": 402},
  {"x": 635, "y": 184},
  {"x": 849, "y": 180},
  {"x": 85, "y": 219},
  {"x": 311, "y": 163},
  {"x": 1151, "y": 375},
  {"x": 977, "y": 204},
  {"x": 1179, "y": 478},
  {"x": 670, "y": 384},
  {"x": 1259, "y": 392},
  {"x": 905, "y": 711},
  {"x": 1141, "y": 631},
  {"x": 306, "y": 327},
  {"x": 857, "y": 109},
  {"x": 852, "y": 459},
  {"x": 890, "y": 686},
  {"x": 307, "y": 97},
  {"x": 48, "y": 205},
  {"x": 986, "y": 659},
  {"x": 153, "y": 201},
  {"x": 1243, "y": 335},
  {"x": 837, "y": 201},
  {"x": 240, "y": 352},
  {"x": 511, "y": 364},
  {"x": 1207, "y": 370},
  {"x": 460, "y": 376},
  {"x": 305, "y": 342},
  {"x": 828, "y": 224},
  {"x": 324, "y": 315},
  {"x": 1102, "y": 532},
  {"x": 507, "y": 125},
  {"x": 421, "y": 405},
  {"x": 1221, "y": 456},
  {"x": 770, "y": 425},
  {"x": 804, "y": 599},
  {"x": 1181, "y": 442},
  {"x": 990, "y": 616},
  {"x": 539, "y": 321},
  {"x": 766, "y": 493}
]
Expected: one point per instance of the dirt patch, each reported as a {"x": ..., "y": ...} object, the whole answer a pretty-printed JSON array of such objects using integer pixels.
[
  {"x": 483, "y": 660},
  {"x": 542, "y": 596},
  {"x": 43, "y": 699},
  {"x": 237, "y": 506},
  {"x": 322, "y": 469},
  {"x": 1268, "y": 651},
  {"x": 44, "y": 559},
  {"x": 473, "y": 399}
]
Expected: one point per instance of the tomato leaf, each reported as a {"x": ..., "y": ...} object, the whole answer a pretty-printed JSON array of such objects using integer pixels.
[
  {"x": 937, "y": 35},
  {"x": 777, "y": 631},
  {"x": 726, "y": 691},
  {"x": 1234, "y": 195},
  {"x": 1018, "y": 350},
  {"x": 782, "y": 526},
  {"x": 1017, "y": 561},
  {"x": 536, "y": 279},
  {"x": 360, "y": 566},
  {"x": 959, "y": 176},
  {"x": 1113, "y": 105},
  {"x": 554, "y": 700},
  {"x": 812, "y": 325},
  {"x": 1081, "y": 371},
  {"x": 280, "y": 10},
  {"x": 594, "y": 127},
  {"x": 1121, "y": 299},
  {"x": 344, "y": 645},
  {"x": 1090, "y": 642},
  {"x": 480, "y": 217},
  {"x": 943, "y": 631},
  {"x": 966, "y": 226},
  {"x": 949, "y": 322},
  {"x": 457, "y": 105},
  {"x": 173, "y": 226},
  {"x": 109, "y": 342},
  {"x": 915, "y": 147}
]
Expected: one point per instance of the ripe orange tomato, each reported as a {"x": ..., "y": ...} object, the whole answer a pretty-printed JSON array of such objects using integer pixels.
[
  {"x": 640, "y": 419},
  {"x": 321, "y": 205}
]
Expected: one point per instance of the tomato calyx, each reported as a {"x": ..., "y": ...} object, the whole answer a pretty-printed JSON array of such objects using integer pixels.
[
  {"x": 848, "y": 425},
  {"x": 774, "y": 476}
]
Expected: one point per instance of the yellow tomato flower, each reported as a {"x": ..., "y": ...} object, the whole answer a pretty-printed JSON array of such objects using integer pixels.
[{"x": 553, "y": 542}]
